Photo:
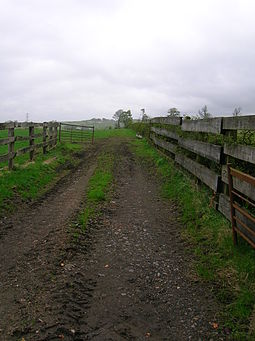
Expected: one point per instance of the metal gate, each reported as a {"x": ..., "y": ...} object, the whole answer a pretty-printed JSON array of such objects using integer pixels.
[{"x": 74, "y": 133}]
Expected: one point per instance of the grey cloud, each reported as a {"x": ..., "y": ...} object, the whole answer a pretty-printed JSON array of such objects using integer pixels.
[{"x": 76, "y": 59}]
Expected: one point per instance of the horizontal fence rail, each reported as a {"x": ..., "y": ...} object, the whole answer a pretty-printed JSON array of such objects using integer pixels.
[
  {"x": 204, "y": 147},
  {"x": 45, "y": 139}
]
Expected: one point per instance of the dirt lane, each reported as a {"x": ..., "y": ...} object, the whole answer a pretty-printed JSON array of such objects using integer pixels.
[
  {"x": 143, "y": 288},
  {"x": 32, "y": 240},
  {"x": 127, "y": 278}
]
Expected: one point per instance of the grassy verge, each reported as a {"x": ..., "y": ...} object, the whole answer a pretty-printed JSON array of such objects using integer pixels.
[
  {"x": 98, "y": 188},
  {"x": 230, "y": 269},
  {"x": 29, "y": 181}
]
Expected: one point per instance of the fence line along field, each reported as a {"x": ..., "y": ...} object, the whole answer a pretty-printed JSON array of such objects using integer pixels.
[
  {"x": 22, "y": 140},
  {"x": 204, "y": 148}
]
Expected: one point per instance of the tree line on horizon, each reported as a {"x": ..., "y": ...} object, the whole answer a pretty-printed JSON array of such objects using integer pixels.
[{"x": 125, "y": 119}]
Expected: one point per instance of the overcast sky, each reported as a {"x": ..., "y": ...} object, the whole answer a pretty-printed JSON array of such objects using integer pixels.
[{"x": 77, "y": 59}]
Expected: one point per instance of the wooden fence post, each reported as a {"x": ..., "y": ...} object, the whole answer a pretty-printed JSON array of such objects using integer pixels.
[
  {"x": 31, "y": 141},
  {"x": 11, "y": 148},
  {"x": 55, "y": 135},
  {"x": 59, "y": 132},
  {"x": 44, "y": 138},
  {"x": 231, "y": 134},
  {"x": 50, "y": 136}
]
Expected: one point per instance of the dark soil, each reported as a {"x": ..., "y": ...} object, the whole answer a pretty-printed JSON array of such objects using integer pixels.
[{"x": 127, "y": 278}]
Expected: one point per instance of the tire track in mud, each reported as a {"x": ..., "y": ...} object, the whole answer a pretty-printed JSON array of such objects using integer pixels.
[{"x": 33, "y": 246}]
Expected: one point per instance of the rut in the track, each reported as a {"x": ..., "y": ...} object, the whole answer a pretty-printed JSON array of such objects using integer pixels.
[{"x": 31, "y": 245}]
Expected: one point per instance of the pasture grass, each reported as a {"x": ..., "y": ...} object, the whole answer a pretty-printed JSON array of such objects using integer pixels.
[
  {"x": 29, "y": 181},
  {"x": 230, "y": 269}
]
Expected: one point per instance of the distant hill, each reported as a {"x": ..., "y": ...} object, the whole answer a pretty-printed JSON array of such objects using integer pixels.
[{"x": 98, "y": 123}]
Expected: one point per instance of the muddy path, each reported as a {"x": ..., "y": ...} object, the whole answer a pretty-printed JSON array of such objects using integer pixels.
[{"x": 126, "y": 278}]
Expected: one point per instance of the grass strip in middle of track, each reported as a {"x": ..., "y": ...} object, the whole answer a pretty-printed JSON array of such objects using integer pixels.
[{"x": 98, "y": 188}]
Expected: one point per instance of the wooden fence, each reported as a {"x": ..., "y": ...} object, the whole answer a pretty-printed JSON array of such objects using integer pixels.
[
  {"x": 205, "y": 147},
  {"x": 48, "y": 135}
]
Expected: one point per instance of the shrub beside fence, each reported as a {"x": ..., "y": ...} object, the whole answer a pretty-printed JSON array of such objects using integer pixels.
[
  {"x": 48, "y": 135},
  {"x": 205, "y": 147}
]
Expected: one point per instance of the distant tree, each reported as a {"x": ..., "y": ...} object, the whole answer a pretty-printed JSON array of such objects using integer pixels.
[
  {"x": 237, "y": 111},
  {"x": 173, "y": 112},
  {"x": 117, "y": 116},
  {"x": 186, "y": 117},
  {"x": 126, "y": 118},
  {"x": 204, "y": 113}
]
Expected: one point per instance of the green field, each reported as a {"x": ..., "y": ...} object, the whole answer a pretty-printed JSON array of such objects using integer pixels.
[{"x": 29, "y": 181}]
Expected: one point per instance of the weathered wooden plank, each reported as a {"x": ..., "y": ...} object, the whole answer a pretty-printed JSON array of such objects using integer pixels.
[
  {"x": 4, "y": 157},
  {"x": 224, "y": 208},
  {"x": 164, "y": 144},
  {"x": 7, "y": 140},
  {"x": 166, "y": 133},
  {"x": 43, "y": 144},
  {"x": 11, "y": 148},
  {"x": 175, "y": 121},
  {"x": 28, "y": 138},
  {"x": 45, "y": 135},
  {"x": 24, "y": 150},
  {"x": 22, "y": 138},
  {"x": 239, "y": 123},
  {"x": 39, "y": 145},
  {"x": 207, "y": 150},
  {"x": 207, "y": 176},
  {"x": 36, "y": 136},
  {"x": 7, "y": 125},
  {"x": 241, "y": 186},
  {"x": 241, "y": 152},
  {"x": 210, "y": 125}
]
